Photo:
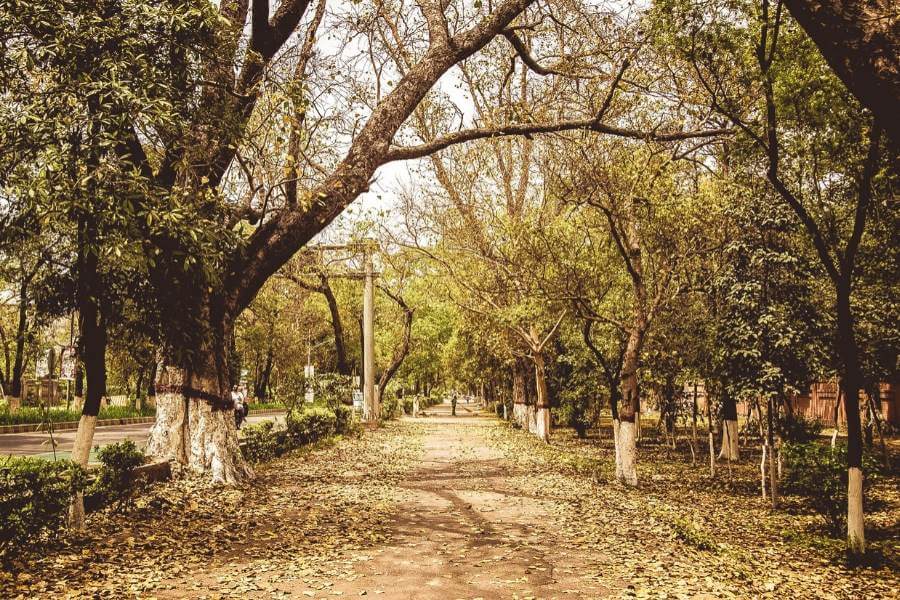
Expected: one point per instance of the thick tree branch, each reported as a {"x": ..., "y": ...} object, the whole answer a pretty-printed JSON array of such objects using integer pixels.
[
  {"x": 862, "y": 203},
  {"x": 274, "y": 242},
  {"x": 525, "y": 54},
  {"x": 513, "y": 129},
  {"x": 860, "y": 40}
]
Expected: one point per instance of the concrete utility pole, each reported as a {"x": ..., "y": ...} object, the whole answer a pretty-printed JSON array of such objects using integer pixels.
[{"x": 369, "y": 400}]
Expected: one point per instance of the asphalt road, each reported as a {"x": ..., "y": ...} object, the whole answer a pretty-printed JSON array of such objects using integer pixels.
[{"x": 38, "y": 443}]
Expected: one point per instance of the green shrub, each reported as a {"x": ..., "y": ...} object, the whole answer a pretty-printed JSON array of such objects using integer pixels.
[
  {"x": 266, "y": 406},
  {"x": 34, "y": 498},
  {"x": 343, "y": 422},
  {"x": 261, "y": 442},
  {"x": 577, "y": 411},
  {"x": 115, "y": 481},
  {"x": 819, "y": 473},
  {"x": 310, "y": 424},
  {"x": 688, "y": 532},
  {"x": 307, "y": 425},
  {"x": 125, "y": 412},
  {"x": 798, "y": 429},
  {"x": 390, "y": 408}
]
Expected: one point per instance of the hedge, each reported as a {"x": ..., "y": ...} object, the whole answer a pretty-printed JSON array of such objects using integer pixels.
[{"x": 306, "y": 425}]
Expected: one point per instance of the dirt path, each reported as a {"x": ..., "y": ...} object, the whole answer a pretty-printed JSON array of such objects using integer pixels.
[
  {"x": 456, "y": 527},
  {"x": 464, "y": 532}
]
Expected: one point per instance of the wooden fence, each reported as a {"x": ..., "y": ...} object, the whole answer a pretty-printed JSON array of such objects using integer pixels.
[{"x": 821, "y": 404}]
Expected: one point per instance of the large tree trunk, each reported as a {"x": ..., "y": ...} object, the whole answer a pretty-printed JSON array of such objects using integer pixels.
[
  {"x": 851, "y": 381},
  {"x": 627, "y": 236},
  {"x": 195, "y": 425},
  {"x": 627, "y": 434},
  {"x": 861, "y": 42}
]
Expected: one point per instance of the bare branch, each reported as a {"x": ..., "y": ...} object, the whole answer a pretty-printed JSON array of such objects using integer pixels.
[{"x": 514, "y": 129}]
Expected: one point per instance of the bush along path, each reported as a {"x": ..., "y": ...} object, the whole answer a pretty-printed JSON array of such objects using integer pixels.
[{"x": 454, "y": 507}]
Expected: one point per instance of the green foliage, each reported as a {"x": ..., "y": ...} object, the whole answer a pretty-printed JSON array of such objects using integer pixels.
[
  {"x": 578, "y": 411},
  {"x": 310, "y": 424},
  {"x": 35, "y": 415},
  {"x": 343, "y": 419},
  {"x": 307, "y": 425},
  {"x": 34, "y": 498},
  {"x": 391, "y": 407},
  {"x": 798, "y": 429},
  {"x": 115, "y": 482},
  {"x": 819, "y": 473},
  {"x": 261, "y": 442}
]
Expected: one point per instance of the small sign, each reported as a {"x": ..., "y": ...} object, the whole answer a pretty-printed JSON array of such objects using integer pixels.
[
  {"x": 67, "y": 360},
  {"x": 42, "y": 366}
]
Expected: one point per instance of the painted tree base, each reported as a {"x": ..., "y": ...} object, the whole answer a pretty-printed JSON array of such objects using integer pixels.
[
  {"x": 730, "y": 448},
  {"x": 191, "y": 433},
  {"x": 856, "y": 530},
  {"x": 81, "y": 451},
  {"x": 540, "y": 423},
  {"x": 627, "y": 451}
]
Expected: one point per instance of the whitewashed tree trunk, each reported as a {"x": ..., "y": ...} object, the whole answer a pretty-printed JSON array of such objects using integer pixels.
[
  {"x": 81, "y": 451},
  {"x": 856, "y": 533},
  {"x": 615, "y": 424},
  {"x": 194, "y": 434},
  {"x": 730, "y": 448},
  {"x": 542, "y": 423},
  {"x": 628, "y": 453}
]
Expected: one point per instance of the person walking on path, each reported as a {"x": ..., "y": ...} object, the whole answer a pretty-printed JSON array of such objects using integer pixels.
[
  {"x": 453, "y": 404},
  {"x": 240, "y": 412}
]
